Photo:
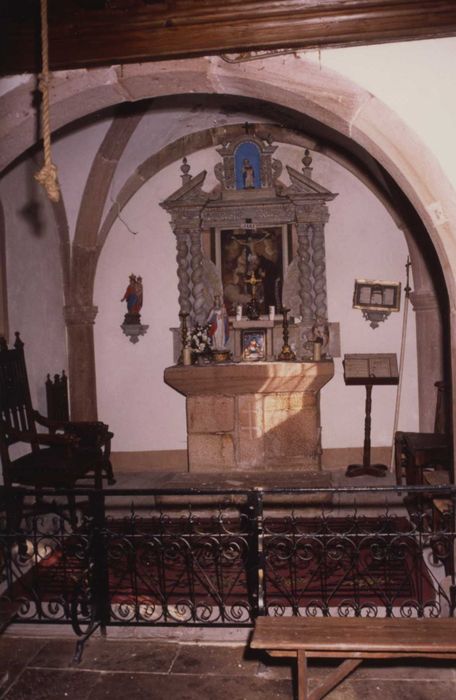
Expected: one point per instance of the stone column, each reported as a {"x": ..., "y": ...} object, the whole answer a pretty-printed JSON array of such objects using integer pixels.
[
  {"x": 429, "y": 354},
  {"x": 4, "y": 328},
  {"x": 304, "y": 231},
  {"x": 452, "y": 405},
  {"x": 81, "y": 361}
]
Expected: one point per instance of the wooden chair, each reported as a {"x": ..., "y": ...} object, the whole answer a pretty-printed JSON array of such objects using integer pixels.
[
  {"x": 416, "y": 452},
  {"x": 67, "y": 454}
]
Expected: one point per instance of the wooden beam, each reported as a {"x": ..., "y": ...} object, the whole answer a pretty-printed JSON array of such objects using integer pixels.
[{"x": 85, "y": 33}]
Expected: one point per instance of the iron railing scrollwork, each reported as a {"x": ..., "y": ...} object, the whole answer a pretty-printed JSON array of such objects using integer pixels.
[{"x": 210, "y": 557}]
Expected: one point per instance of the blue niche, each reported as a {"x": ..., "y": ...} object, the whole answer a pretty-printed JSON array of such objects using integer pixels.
[{"x": 247, "y": 166}]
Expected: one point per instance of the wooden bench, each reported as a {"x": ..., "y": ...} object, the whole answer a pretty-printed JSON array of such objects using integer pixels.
[{"x": 352, "y": 639}]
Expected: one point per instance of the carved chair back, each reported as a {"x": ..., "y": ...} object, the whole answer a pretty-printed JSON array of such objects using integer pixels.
[
  {"x": 16, "y": 411},
  {"x": 64, "y": 454},
  {"x": 57, "y": 397}
]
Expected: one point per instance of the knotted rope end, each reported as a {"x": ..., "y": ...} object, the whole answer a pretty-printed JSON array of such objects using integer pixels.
[{"x": 47, "y": 177}]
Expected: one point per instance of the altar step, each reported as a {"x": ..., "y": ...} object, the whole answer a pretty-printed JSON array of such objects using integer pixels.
[
  {"x": 329, "y": 497},
  {"x": 210, "y": 488}
]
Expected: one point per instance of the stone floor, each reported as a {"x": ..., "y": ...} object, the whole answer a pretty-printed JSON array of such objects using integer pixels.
[{"x": 40, "y": 669}]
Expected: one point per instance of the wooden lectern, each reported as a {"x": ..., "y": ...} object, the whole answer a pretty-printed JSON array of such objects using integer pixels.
[{"x": 369, "y": 369}]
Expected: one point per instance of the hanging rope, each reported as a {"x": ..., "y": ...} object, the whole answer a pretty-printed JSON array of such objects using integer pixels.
[
  {"x": 407, "y": 291},
  {"x": 47, "y": 176}
]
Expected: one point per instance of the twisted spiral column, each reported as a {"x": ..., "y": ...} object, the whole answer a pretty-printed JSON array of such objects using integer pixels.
[
  {"x": 196, "y": 253},
  {"x": 319, "y": 271},
  {"x": 305, "y": 271},
  {"x": 183, "y": 275}
]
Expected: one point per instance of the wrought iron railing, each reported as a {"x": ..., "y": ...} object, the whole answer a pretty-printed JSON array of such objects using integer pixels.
[{"x": 209, "y": 557}]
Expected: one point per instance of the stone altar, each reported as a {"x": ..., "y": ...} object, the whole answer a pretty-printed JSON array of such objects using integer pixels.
[{"x": 243, "y": 416}]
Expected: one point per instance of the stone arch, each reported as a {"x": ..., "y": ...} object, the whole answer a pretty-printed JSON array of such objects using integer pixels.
[
  {"x": 319, "y": 93},
  {"x": 4, "y": 325}
]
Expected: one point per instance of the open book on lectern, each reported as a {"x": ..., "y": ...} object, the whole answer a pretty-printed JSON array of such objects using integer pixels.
[{"x": 371, "y": 368}]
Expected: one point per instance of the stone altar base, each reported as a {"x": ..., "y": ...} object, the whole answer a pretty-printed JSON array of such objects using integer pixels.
[{"x": 244, "y": 416}]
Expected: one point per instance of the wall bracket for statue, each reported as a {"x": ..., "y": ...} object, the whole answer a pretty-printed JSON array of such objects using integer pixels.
[{"x": 134, "y": 331}]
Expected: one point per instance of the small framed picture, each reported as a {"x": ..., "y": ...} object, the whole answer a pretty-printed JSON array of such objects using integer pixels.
[
  {"x": 377, "y": 295},
  {"x": 253, "y": 345}
]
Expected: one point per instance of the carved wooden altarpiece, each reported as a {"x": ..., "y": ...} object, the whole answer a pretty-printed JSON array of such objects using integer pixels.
[{"x": 252, "y": 220}]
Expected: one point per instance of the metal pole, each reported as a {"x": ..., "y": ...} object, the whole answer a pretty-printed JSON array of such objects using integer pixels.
[{"x": 407, "y": 291}]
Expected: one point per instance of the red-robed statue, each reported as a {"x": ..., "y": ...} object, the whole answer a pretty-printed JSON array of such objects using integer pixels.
[{"x": 134, "y": 298}]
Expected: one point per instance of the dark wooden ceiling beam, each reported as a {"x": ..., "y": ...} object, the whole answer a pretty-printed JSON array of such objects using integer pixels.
[{"x": 85, "y": 33}]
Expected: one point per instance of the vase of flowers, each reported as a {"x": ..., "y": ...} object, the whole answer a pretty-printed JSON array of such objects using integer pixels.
[{"x": 198, "y": 341}]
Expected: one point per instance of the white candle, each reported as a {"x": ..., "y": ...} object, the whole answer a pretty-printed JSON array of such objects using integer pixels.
[
  {"x": 239, "y": 313},
  {"x": 187, "y": 356},
  {"x": 271, "y": 313}
]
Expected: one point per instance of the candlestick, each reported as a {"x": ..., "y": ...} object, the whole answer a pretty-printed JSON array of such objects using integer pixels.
[
  {"x": 252, "y": 308},
  {"x": 286, "y": 354}
]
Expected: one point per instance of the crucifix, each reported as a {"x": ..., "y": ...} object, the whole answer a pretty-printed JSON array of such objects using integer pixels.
[
  {"x": 253, "y": 281},
  {"x": 248, "y": 240},
  {"x": 252, "y": 308}
]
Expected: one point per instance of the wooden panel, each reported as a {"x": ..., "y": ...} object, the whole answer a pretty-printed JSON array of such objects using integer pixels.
[
  {"x": 95, "y": 32},
  {"x": 356, "y": 634}
]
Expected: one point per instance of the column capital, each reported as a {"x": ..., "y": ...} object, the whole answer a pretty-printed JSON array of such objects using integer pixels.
[
  {"x": 424, "y": 301},
  {"x": 80, "y": 314}
]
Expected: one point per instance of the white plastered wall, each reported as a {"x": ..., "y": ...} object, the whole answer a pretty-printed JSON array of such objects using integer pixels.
[{"x": 34, "y": 278}]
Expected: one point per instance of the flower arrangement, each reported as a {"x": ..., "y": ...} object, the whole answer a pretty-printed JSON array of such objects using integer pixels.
[{"x": 198, "y": 340}]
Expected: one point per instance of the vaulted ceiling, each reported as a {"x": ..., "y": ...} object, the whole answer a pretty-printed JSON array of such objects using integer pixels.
[{"x": 84, "y": 33}]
